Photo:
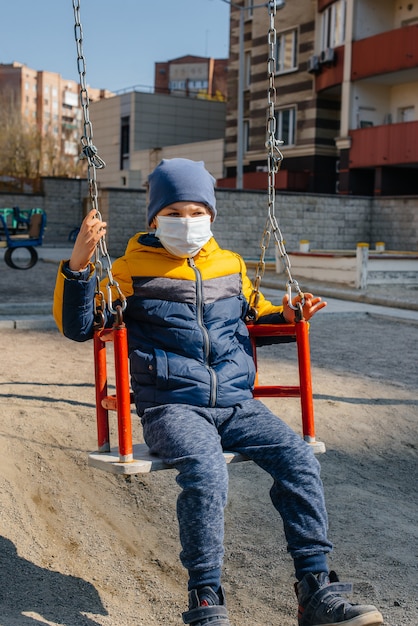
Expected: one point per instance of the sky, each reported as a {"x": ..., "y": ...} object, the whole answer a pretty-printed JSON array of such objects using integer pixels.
[{"x": 122, "y": 40}]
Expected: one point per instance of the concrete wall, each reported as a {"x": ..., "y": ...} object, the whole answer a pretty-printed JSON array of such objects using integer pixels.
[
  {"x": 242, "y": 215},
  {"x": 329, "y": 222}
]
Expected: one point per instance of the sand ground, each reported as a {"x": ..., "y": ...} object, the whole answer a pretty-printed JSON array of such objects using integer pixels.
[{"x": 81, "y": 547}]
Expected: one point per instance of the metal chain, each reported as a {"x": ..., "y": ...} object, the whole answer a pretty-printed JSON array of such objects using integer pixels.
[
  {"x": 94, "y": 162},
  {"x": 274, "y": 160}
]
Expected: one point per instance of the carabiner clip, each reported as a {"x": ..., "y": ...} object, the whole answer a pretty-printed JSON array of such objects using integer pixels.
[
  {"x": 122, "y": 298},
  {"x": 300, "y": 294}
]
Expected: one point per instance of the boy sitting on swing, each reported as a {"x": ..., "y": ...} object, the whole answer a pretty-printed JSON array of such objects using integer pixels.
[{"x": 192, "y": 375}]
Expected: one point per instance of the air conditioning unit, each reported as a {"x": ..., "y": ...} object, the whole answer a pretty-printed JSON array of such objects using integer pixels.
[
  {"x": 327, "y": 56},
  {"x": 313, "y": 64}
]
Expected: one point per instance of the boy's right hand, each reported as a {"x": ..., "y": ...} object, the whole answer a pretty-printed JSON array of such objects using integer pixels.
[{"x": 92, "y": 230}]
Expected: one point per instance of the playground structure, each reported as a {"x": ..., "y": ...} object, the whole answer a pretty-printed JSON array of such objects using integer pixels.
[{"x": 21, "y": 232}]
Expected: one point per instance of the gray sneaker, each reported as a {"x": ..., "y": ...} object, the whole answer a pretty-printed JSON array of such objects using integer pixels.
[
  {"x": 206, "y": 608},
  {"x": 320, "y": 603}
]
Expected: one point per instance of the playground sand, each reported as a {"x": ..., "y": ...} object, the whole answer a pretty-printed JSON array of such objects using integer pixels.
[{"x": 84, "y": 548}]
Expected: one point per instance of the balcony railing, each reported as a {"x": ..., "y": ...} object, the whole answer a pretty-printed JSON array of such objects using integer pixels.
[
  {"x": 392, "y": 144},
  {"x": 385, "y": 53},
  {"x": 284, "y": 180}
]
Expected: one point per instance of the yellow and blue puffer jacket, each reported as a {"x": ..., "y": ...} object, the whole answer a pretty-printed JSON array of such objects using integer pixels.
[{"x": 188, "y": 341}]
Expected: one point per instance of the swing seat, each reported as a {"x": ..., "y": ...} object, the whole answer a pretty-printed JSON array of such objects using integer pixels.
[
  {"x": 143, "y": 461},
  {"x": 129, "y": 458}
]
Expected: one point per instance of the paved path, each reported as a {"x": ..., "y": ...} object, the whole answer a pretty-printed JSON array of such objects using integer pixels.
[
  {"x": 336, "y": 305},
  {"x": 26, "y": 300}
]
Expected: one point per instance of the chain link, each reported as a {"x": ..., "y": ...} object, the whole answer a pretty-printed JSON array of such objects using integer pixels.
[
  {"x": 102, "y": 260},
  {"x": 274, "y": 160}
]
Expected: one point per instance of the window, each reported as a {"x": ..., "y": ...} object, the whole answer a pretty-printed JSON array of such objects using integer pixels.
[
  {"x": 71, "y": 148},
  {"x": 177, "y": 85},
  {"x": 286, "y": 51},
  {"x": 246, "y": 138},
  {"x": 249, "y": 6},
  {"x": 124, "y": 142},
  {"x": 247, "y": 70},
  {"x": 333, "y": 25},
  {"x": 286, "y": 125},
  {"x": 198, "y": 84}
]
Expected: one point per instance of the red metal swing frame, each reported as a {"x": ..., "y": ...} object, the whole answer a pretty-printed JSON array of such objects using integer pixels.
[{"x": 129, "y": 458}]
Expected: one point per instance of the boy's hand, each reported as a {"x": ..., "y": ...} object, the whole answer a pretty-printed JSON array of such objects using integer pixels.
[
  {"x": 91, "y": 231},
  {"x": 310, "y": 307}
]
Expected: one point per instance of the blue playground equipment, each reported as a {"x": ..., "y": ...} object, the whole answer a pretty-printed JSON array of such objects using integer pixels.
[{"x": 21, "y": 232}]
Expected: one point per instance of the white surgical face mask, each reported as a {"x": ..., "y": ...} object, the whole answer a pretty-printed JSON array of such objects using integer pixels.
[{"x": 183, "y": 236}]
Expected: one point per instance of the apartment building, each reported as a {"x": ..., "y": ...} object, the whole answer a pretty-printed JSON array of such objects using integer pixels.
[
  {"x": 346, "y": 79},
  {"x": 49, "y": 101},
  {"x": 192, "y": 76}
]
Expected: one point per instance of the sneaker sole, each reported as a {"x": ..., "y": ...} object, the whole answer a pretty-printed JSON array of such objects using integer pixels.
[{"x": 373, "y": 618}]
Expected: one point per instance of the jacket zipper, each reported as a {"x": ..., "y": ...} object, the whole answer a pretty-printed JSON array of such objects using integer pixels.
[{"x": 206, "y": 340}]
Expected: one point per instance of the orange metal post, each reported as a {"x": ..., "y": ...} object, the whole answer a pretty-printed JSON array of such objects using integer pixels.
[
  {"x": 305, "y": 379},
  {"x": 123, "y": 394},
  {"x": 100, "y": 371}
]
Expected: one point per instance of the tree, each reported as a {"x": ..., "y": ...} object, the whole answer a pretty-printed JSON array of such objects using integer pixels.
[{"x": 26, "y": 151}]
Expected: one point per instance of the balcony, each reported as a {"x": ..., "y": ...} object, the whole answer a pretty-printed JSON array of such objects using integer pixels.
[
  {"x": 284, "y": 180},
  {"x": 393, "y": 144},
  {"x": 323, "y": 4},
  {"x": 330, "y": 73},
  {"x": 387, "y": 52}
]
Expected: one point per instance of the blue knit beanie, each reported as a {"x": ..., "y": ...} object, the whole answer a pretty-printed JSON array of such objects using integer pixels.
[{"x": 180, "y": 180}]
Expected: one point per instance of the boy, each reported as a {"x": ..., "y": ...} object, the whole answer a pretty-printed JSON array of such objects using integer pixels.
[{"x": 192, "y": 375}]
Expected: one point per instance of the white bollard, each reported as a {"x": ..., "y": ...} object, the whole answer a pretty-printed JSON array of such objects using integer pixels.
[
  {"x": 380, "y": 246},
  {"x": 304, "y": 245},
  {"x": 362, "y": 255}
]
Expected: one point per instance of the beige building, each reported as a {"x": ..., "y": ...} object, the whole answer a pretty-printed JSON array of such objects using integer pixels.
[
  {"x": 192, "y": 76},
  {"x": 133, "y": 131},
  {"x": 49, "y": 101}
]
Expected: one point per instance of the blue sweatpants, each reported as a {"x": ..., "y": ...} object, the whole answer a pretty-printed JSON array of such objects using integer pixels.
[{"x": 192, "y": 440}]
